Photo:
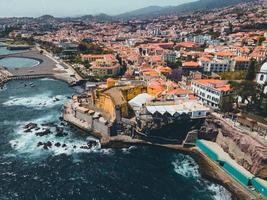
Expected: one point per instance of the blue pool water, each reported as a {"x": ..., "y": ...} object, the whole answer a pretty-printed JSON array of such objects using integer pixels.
[{"x": 13, "y": 63}]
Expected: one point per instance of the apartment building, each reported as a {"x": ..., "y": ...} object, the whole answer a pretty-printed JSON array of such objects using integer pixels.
[
  {"x": 214, "y": 65},
  {"x": 210, "y": 91}
]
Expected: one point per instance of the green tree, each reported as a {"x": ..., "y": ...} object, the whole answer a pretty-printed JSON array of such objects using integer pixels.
[
  {"x": 227, "y": 104},
  {"x": 86, "y": 64},
  {"x": 251, "y": 74},
  {"x": 260, "y": 40}
]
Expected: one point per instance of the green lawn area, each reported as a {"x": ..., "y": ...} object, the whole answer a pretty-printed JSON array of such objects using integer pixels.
[{"x": 237, "y": 75}]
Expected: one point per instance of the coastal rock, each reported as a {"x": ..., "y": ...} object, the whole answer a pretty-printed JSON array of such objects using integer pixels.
[
  {"x": 39, "y": 144},
  {"x": 91, "y": 143},
  {"x": 57, "y": 144},
  {"x": 60, "y": 132},
  {"x": 243, "y": 148},
  {"x": 84, "y": 147},
  {"x": 43, "y": 133},
  {"x": 50, "y": 124},
  {"x": 208, "y": 132},
  {"x": 30, "y": 126},
  {"x": 47, "y": 145},
  {"x": 28, "y": 131}
]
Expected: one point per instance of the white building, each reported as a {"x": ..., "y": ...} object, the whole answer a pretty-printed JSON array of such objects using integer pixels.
[
  {"x": 210, "y": 91},
  {"x": 169, "y": 57},
  {"x": 202, "y": 39},
  {"x": 262, "y": 77},
  {"x": 215, "y": 65},
  {"x": 177, "y": 107}
]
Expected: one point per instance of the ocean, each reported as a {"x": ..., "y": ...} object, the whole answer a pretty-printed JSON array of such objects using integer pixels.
[{"x": 28, "y": 171}]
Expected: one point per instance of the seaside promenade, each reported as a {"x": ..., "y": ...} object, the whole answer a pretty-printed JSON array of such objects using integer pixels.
[{"x": 48, "y": 67}]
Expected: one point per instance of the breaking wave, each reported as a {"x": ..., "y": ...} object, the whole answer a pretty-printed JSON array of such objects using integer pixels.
[
  {"x": 128, "y": 150},
  {"x": 219, "y": 192},
  {"x": 37, "y": 102},
  {"x": 33, "y": 145},
  {"x": 48, "y": 79},
  {"x": 186, "y": 166}
]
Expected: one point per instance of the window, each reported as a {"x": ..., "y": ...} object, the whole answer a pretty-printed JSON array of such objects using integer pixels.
[
  {"x": 261, "y": 77},
  {"x": 109, "y": 71}
]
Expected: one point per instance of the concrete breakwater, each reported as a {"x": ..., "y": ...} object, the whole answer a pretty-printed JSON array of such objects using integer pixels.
[{"x": 4, "y": 76}]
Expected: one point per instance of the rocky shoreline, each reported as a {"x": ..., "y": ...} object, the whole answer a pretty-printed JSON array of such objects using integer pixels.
[
  {"x": 244, "y": 149},
  {"x": 207, "y": 168}
]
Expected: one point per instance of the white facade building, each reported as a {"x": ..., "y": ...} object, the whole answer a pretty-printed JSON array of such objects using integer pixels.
[
  {"x": 215, "y": 65},
  {"x": 262, "y": 77},
  {"x": 169, "y": 57},
  {"x": 210, "y": 91}
]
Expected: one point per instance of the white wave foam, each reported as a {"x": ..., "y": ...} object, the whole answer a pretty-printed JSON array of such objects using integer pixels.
[
  {"x": 128, "y": 150},
  {"x": 38, "y": 101},
  {"x": 220, "y": 193},
  {"x": 186, "y": 167},
  {"x": 106, "y": 151},
  {"x": 48, "y": 79},
  {"x": 26, "y": 142}
]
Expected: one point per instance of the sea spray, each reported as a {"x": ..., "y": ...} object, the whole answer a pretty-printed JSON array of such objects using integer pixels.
[
  {"x": 185, "y": 165},
  {"x": 94, "y": 173},
  {"x": 40, "y": 101}
]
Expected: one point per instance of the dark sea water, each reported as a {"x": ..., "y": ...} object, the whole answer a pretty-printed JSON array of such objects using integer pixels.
[{"x": 30, "y": 172}]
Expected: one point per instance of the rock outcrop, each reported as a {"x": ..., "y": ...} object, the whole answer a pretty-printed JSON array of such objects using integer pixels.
[{"x": 243, "y": 148}]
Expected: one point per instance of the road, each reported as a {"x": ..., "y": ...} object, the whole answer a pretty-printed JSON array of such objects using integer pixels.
[{"x": 73, "y": 76}]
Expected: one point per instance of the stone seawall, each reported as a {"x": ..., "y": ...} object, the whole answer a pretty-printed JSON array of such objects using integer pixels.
[{"x": 208, "y": 169}]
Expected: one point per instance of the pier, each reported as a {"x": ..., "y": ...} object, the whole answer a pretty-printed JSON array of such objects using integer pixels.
[{"x": 4, "y": 76}]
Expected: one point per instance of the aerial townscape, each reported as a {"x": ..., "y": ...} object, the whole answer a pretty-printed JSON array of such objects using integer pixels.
[{"x": 157, "y": 103}]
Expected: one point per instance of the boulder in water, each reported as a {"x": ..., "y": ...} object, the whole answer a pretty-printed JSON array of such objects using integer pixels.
[
  {"x": 84, "y": 147},
  {"x": 28, "y": 130},
  {"x": 57, "y": 144},
  {"x": 30, "y": 126},
  {"x": 91, "y": 143},
  {"x": 40, "y": 144},
  {"x": 50, "y": 124},
  {"x": 49, "y": 144},
  {"x": 43, "y": 133}
]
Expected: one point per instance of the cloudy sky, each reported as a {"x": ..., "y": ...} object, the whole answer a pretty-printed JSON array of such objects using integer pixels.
[{"x": 76, "y": 7}]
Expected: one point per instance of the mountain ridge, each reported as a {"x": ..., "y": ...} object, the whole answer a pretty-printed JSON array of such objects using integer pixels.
[{"x": 186, "y": 7}]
